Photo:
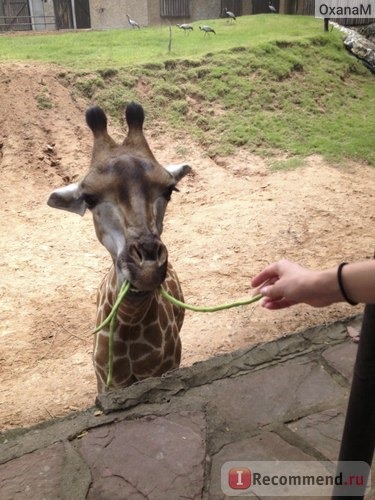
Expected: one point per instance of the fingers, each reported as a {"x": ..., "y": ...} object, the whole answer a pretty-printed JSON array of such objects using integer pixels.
[
  {"x": 261, "y": 288},
  {"x": 273, "y": 272},
  {"x": 268, "y": 274},
  {"x": 273, "y": 304},
  {"x": 269, "y": 284},
  {"x": 274, "y": 284},
  {"x": 272, "y": 289}
]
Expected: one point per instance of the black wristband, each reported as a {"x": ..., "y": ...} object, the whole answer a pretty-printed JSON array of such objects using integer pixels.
[{"x": 341, "y": 285}]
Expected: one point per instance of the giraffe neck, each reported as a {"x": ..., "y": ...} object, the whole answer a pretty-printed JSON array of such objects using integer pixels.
[{"x": 146, "y": 338}]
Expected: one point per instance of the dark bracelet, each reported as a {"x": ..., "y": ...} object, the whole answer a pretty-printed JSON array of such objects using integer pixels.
[{"x": 341, "y": 285}]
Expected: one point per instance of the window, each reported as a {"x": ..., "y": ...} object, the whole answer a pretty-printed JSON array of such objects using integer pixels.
[{"x": 174, "y": 8}]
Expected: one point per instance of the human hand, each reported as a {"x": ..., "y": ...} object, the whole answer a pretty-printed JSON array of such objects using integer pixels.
[{"x": 286, "y": 283}]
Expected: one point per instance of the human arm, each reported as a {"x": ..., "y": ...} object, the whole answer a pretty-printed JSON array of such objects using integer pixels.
[{"x": 286, "y": 283}]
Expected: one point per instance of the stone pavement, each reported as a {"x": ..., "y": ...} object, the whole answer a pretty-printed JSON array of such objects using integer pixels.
[{"x": 167, "y": 439}]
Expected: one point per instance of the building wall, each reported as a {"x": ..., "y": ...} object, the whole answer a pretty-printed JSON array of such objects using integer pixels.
[
  {"x": 106, "y": 14},
  {"x": 153, "y": 7},
  {"x": 199, "y": 10},
  {"x": 49, "y": 12},
  {"x": 211, "y": 9},
  {"x": 247, "y": 7},
  {"x": 112, "y": 13},
  {"x": 42, "y": 15}
]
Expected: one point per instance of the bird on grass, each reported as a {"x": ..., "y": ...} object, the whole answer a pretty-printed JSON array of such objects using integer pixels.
[
  {"x": 229, "y": 14},
  {"x": 132, "y": 23},
  {"x": 207, "y": 29},
  {"x": 185, "y": 27},
  {"x": 271, "y": 7}
]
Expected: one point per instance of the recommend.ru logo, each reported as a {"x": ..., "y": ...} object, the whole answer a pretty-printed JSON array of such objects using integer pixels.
[{"x": 294, "y": 478}]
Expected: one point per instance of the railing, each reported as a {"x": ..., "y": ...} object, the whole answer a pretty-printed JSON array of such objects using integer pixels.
[{"x": 27, "y": 23}]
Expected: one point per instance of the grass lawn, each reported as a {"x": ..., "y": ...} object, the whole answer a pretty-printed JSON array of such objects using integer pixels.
[
  {"x": 266, "y": 83},
  {"x": 92, "y": 50}
]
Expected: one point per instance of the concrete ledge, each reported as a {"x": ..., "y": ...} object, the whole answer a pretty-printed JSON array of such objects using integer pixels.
[{"x": 242, "y": 361}]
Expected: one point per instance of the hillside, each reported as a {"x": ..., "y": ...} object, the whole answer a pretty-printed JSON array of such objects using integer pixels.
[
  {"x": 268, "y": 84},
  {"x": 299, "y": 98}
]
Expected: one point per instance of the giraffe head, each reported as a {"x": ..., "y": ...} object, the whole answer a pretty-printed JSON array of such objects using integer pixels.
[{"x": 127, "y": 191}]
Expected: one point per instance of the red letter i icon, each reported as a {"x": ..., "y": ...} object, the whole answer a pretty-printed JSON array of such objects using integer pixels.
[{"x": 239, "y": 478}]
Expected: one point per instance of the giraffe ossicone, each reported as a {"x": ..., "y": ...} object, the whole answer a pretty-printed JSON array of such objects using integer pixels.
[{"x": 127, "y": 191}]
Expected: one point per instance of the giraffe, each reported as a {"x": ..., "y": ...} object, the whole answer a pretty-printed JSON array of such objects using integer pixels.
[{"x": 127, "y": 191}]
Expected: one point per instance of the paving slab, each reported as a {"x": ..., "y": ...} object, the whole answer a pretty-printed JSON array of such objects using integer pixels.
[
  {"x": 152, "y": 457},
  {"x": 49, "y": 473},
  {"x": 341, "y": 358},
  {"x": 322, "y": 430},
  {"x": 265, "y": 446}
]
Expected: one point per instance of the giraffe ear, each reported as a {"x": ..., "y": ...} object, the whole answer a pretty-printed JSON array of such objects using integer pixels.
[
  {"x": 178, "y": 171},
  {"x": 68, "y": 198}
]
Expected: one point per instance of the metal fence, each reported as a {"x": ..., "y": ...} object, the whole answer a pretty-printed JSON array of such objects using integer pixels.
[
  {"x": 27, "y": 23},
  {"x": 174, "y": 8}
]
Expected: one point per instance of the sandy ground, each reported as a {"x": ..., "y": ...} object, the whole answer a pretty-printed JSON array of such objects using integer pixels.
[{"x": 231, "y": 218}]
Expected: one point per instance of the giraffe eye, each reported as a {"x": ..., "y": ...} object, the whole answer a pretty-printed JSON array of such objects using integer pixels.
[{"x": 90, "y": 200}]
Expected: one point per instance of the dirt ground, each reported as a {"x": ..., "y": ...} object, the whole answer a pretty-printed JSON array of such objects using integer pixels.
[{"x": 231, "y": 218}]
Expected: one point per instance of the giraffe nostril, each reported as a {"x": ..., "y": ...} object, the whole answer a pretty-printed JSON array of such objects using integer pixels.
[
  {"x": 162, "y": 254},
  {"x": 136, "y": 253},
  {"x": 151, "y": 252}
]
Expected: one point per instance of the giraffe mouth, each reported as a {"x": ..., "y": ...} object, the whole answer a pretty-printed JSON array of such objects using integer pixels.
[
  {"x": 137, "y": 293},
  {"x": 147, "y": 279}
]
